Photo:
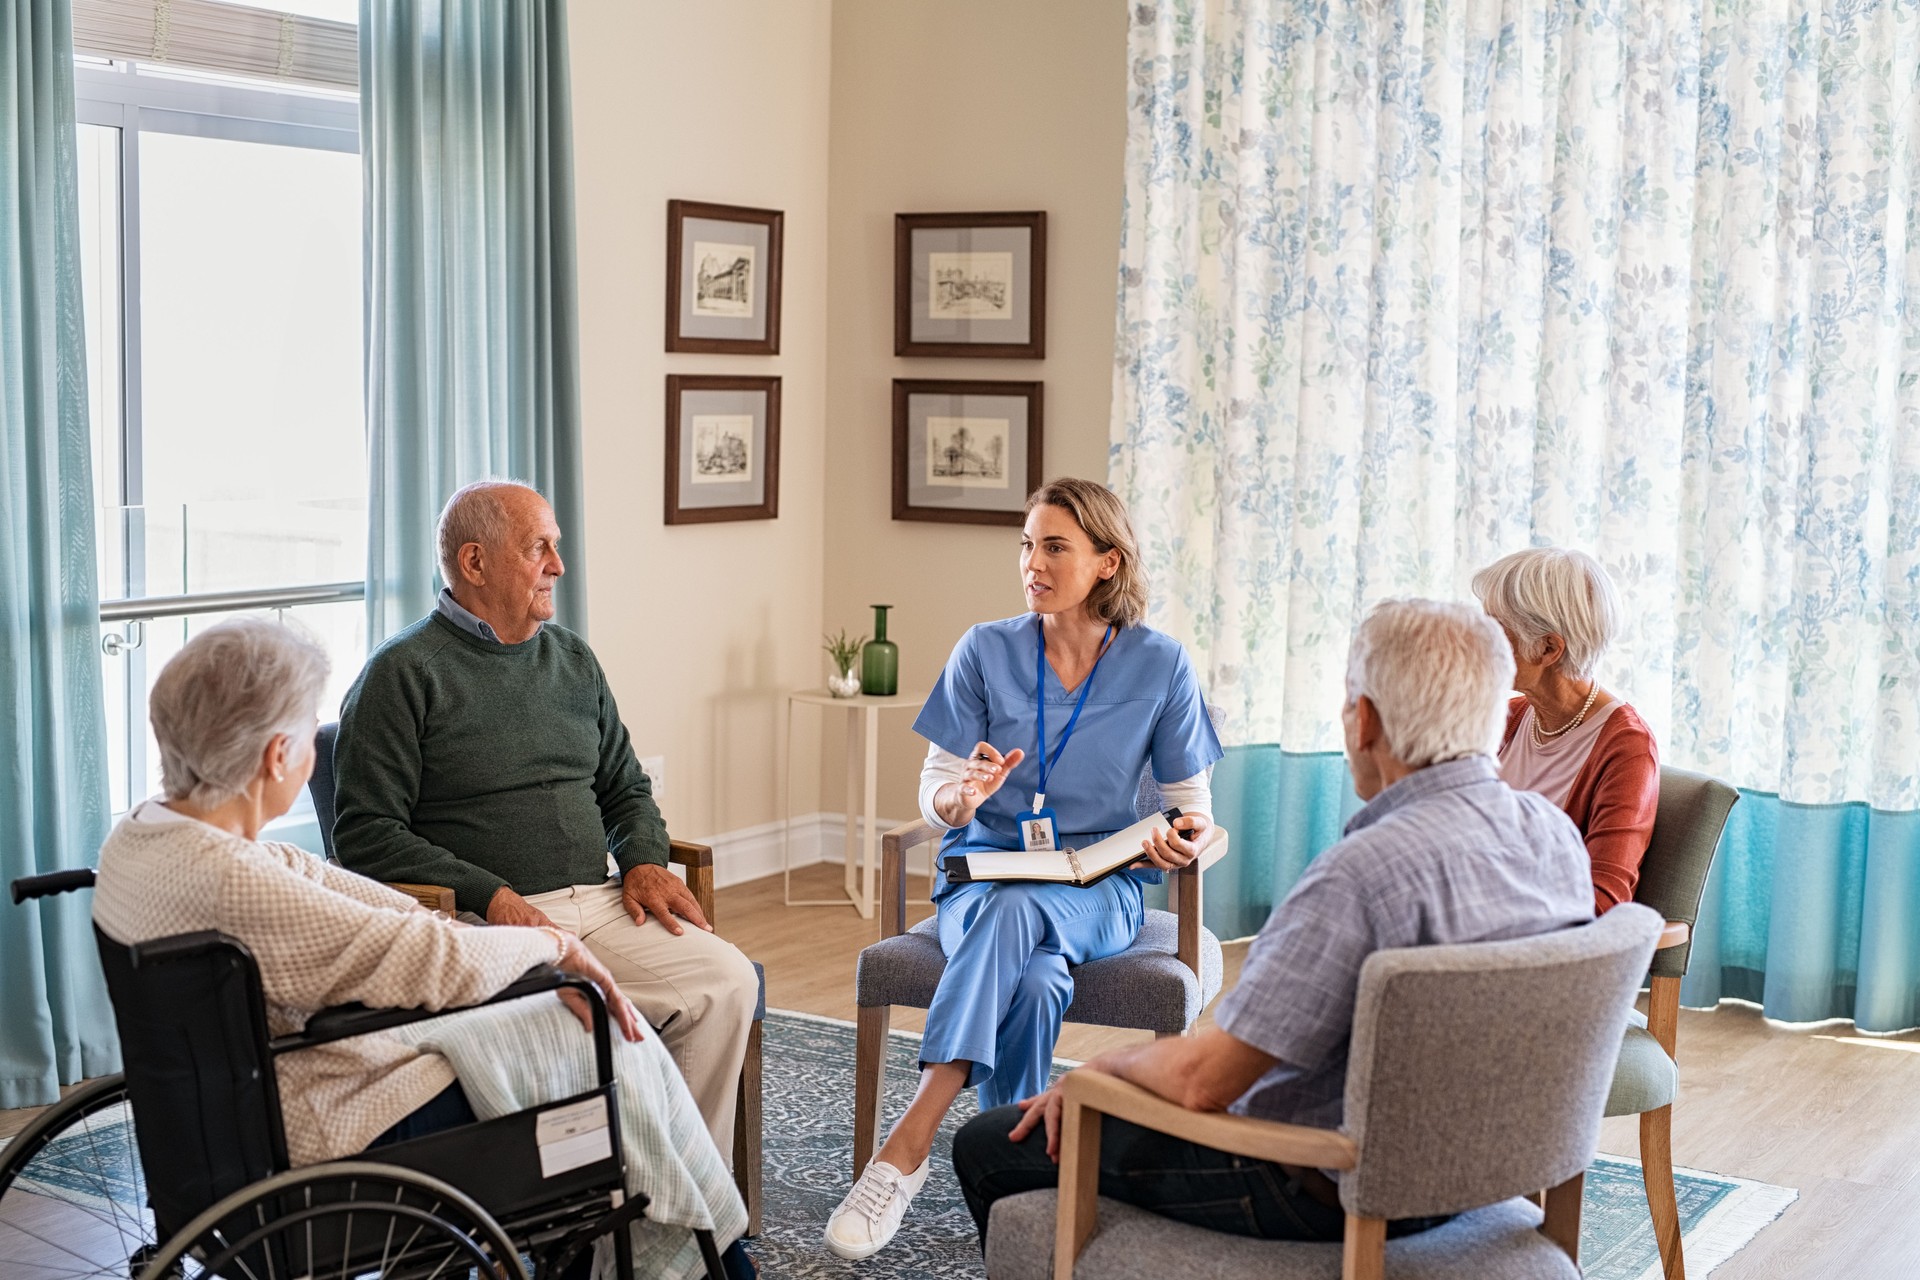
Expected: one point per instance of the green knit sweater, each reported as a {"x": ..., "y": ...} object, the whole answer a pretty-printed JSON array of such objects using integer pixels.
[{"x": 471, "y": 764}]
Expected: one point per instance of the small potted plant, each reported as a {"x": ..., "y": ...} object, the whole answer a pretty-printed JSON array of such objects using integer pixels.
[{"x": 845, "y": 682}]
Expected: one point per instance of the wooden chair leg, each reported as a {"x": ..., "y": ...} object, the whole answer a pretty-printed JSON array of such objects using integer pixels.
[
  {"x": 869, "y": 1080},
  {"x": 747, "y": 1126},
  {"x": 1656, "y": 1167},
  {"x": 1562, "y": 1204},
  {"x": 1365, "y": 1254}
]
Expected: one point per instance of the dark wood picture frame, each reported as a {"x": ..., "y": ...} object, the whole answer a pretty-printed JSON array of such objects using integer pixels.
[
  {"x": 904, "y": 389},
  {"x": 678, "y": 384},
  {"x": 905, "y": 224},
  {"x": 678, "y": 211}
]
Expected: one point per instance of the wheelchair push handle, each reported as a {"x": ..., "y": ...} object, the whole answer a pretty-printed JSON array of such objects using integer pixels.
[{"x": 52, "y": 883}]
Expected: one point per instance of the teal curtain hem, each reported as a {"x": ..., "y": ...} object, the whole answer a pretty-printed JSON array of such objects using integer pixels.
[{"x": 1809, "y": 911}]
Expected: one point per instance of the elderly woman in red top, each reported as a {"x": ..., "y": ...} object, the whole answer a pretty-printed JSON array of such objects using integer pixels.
[{"x": 1567, "y": 738}]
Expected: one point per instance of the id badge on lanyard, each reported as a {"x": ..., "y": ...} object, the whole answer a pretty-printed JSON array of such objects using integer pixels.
[{"x": 1039, "y": 829}]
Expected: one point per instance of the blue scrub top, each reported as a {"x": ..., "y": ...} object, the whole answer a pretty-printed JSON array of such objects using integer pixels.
[{"x": 1145, "y": 709}]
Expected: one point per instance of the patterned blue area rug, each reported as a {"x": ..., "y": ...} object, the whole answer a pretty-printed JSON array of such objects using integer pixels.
[{"x": 809, "y": 1127}]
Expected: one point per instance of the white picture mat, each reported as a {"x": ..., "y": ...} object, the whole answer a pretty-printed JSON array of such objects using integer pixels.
[
  {"x": 924, "y": 242},
  {"x": 716, "y": 492},
  {"x": 757, "y": 236},
  {"x": 925, "y": 407}
]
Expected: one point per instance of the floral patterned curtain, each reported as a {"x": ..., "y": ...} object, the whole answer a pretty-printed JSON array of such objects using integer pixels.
[{"x": 1409, "y": 284}]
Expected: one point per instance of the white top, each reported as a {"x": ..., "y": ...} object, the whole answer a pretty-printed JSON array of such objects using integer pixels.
[{"x": 1550, "y": 770}]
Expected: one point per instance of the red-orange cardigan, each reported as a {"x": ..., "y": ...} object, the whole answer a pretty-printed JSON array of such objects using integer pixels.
[{"x": 1612, "y": 801}]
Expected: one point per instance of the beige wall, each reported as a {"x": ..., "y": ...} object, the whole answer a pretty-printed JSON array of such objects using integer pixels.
[
  {"x": 941, "y": 106},
  {"x": 699, "y": 626},
  {"x": 841, "y": 113}
]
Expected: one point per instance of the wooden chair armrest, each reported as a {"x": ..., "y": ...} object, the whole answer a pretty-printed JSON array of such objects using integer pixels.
[
  {"x": 893, "y": 873},
  {"x": 698, "y": 860},
  {"x": 434, "y": 897},
  {"x": 1091, "y": 1094},
  {"x": 1242, "y": 1135},
  {"x": 1677, "y": 934}
]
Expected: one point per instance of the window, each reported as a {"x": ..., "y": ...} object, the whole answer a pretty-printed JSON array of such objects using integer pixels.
[{"x": 221, "y": 226}]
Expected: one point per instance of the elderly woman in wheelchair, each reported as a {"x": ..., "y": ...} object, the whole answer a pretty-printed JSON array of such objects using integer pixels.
[{"x": 186, "y": 877}]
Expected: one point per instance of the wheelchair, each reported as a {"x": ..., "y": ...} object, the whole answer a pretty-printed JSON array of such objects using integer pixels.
[{"x": 210, "y": 1192}]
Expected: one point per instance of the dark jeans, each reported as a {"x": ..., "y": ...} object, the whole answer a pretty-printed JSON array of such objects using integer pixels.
[
  {"x": 449, "y": 1109},
  {"x": 1169, "y": 1176}
]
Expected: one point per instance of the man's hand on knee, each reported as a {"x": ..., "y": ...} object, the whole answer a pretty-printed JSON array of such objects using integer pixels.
[
  {"x": 508, "y": 907},
  {"x": 648, "y": 890}
]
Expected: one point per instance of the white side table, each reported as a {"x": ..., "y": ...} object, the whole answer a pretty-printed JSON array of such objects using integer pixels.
[{"x": 863, "y": 767}]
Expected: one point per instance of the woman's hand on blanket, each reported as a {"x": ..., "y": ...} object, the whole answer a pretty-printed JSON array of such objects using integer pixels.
[
  {"x": 577, "y": 959},
  {"x": 1172, "y": 850},
  {"x": 1044, "y": 1108}
]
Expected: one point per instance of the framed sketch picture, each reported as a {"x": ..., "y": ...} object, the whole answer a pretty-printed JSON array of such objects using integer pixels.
[
  {"x": 970, "y": 284},
  {"x": 965, "y": 452},
  {"x": 723, "y": 448},
  {"x": 723, "y": 279}
]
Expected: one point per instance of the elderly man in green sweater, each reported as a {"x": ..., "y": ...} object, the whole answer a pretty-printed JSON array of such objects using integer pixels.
[{"x": 481, "y": 749}]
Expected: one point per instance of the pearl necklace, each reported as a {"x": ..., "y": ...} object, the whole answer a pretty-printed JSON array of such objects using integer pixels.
[{"x": 1542, "y": 736}]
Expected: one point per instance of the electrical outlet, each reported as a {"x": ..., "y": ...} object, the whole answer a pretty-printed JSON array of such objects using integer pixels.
[{"x": 655, "y": 767}]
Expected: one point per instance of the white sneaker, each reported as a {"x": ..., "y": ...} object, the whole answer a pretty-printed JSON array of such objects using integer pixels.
[{"x": 872, "y": 1211}]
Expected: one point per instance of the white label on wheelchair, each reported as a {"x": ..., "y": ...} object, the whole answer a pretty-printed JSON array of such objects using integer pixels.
[{"x": 572, "y": 1136}]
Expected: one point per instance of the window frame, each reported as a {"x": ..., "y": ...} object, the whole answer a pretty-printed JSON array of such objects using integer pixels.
[{"x": 134, "y": 98}]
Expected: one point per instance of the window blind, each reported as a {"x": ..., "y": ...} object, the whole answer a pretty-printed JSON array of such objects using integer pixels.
[{"x": 206, "y": 35}]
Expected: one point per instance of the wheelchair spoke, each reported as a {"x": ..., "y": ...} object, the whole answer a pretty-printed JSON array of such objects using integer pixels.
[{"x": 220, "y": 1238}]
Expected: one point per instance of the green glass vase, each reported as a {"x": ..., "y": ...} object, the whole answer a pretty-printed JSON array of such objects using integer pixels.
[{"x": 880, "y": 659}]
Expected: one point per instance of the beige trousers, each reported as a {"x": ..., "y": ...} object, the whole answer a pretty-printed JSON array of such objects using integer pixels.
[{"x": 696, "y": 990}]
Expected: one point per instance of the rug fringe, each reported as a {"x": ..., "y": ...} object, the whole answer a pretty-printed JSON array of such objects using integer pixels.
[{"x": 1729, "y": 1226}]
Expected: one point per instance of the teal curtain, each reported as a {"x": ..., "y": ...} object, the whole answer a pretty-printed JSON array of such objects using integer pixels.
[
  {"x": 472, "y": 344},
  {"x": 55, "y": 1024},
  {"x": 1409, "y": 284}
]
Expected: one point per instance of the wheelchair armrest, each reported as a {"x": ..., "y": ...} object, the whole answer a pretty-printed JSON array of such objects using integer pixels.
[{"x": 343, "y": 1021}]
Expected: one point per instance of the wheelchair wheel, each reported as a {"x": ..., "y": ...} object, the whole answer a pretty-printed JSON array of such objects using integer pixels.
[
  {"x": 73, "y": 1199},
  {"x": 351, "y": 1219}
]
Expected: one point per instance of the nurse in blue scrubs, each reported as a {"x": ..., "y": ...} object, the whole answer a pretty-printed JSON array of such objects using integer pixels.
[{"x": 1051, "y": 714}]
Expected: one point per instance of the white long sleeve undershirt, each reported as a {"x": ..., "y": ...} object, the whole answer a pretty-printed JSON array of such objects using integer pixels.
[{"x": 1193, "y": 795}]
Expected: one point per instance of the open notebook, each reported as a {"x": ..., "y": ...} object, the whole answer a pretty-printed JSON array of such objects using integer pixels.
[{"x": 1067, "y": 866}]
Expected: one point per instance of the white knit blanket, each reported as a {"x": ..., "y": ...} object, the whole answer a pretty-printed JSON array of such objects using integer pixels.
[{"x": 514, "y": 1056}]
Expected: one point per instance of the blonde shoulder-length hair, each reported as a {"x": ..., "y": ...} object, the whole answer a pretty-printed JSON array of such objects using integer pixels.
[{"x": 1122, "y": 599}]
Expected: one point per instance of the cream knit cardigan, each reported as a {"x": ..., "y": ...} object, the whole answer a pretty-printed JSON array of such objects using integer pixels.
[{"x": 321, "y": 936}]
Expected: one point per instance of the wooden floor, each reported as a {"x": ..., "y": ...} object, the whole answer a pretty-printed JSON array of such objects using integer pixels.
[
  {"x": 1823, "y": 1110},
  {"x": 1830, "y": 1113}
]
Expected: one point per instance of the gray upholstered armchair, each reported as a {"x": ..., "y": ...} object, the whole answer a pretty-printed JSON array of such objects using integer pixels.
[
  {"x": 1476, "y": 1079},
  {"x": 1159, "y": 984}
]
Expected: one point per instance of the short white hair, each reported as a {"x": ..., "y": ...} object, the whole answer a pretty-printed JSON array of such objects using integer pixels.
[
  {"x": 476, "y": 512},
  {"x": 1546, "y": 591},
  {"x": 229, "y": 691},
  {"x": 1438, "y": 676}
]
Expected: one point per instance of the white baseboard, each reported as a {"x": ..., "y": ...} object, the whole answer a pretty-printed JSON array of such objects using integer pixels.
[{"x": 751, "y": 853}]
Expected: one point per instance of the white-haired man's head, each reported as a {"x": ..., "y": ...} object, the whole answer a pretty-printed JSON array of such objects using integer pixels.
[
  {"x": 500, "y": 555},
  {"x": 1427, "y": 682}
]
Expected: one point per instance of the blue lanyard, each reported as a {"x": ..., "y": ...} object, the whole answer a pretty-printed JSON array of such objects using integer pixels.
[{"x": 1040, "y": 693}]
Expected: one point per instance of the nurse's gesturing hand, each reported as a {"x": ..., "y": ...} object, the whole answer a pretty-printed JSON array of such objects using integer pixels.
[{"x": 987, "y": 771}]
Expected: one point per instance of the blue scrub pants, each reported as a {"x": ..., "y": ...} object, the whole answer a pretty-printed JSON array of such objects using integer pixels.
[{"x": 1000, "y": 1002}]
